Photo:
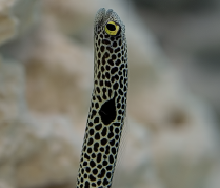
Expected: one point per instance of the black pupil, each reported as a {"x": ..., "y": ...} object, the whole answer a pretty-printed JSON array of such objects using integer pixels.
[{"x": 110, "y": 27}]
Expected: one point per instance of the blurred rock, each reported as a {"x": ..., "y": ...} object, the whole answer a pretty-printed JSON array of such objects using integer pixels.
[
  {"x": 7, "y": 20},
  {"x": 11, "y": 97},
  {"x": 71, "y": 17},
  {"x": 60, "y": 72},
  {"x": 191, "y": 40},
  {"x": 175, "y": 6},
  {"x": 17, "y": 17},
  {"x": 34, "y": 150},
  {"x": 49, "y": 158},
  {"x": 27, "y": 13},
  {"x": 170, "y": 141}
]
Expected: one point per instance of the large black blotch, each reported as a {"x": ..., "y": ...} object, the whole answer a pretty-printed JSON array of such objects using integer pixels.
[{"x": 108, "y": 111}]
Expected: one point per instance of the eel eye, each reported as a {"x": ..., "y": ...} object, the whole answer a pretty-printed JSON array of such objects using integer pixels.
[{"x": 111, "y": 28}]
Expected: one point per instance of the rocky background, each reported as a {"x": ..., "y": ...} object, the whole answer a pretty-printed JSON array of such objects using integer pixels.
[{"x": 171, "y": 134}]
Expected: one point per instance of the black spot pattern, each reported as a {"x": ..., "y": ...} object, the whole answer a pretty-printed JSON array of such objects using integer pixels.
[
  {"x": 102, "y": 48},
  {"x": 106, "y": 42},
  {"x": 109, "y": 49},
  {"x": 106, "y": 114},
  {"x": 117, "y": 50},
  {"x": 110, "y": 62}
]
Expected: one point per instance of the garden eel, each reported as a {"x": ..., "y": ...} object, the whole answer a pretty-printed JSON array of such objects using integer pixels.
[{"x": 108, "y": 104}]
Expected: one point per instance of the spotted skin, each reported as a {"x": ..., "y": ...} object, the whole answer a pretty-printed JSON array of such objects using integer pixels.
[{"x": 108, "y": 105}]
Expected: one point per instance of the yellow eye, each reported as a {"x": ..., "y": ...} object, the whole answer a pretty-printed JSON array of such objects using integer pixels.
[{"x": 111, "y": 28}]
